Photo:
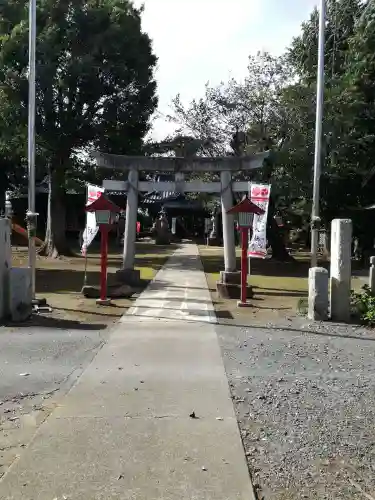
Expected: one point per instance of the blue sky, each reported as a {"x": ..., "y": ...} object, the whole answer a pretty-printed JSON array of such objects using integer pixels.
[{"x": 199, "y": 41}]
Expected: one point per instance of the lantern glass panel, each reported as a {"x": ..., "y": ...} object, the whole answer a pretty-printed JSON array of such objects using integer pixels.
[
  {"x": 245, "y": 219},
  {"x": 103, "y": 216}
]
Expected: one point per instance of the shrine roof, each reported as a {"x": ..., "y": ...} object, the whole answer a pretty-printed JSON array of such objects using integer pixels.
[
  {"x": 246, "y": 206},
  {"x": 102, "y": 203}
]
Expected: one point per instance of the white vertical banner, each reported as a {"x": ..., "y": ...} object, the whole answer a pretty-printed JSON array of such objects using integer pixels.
[
  {"x": 260, "y": 196},
  {"x": 91, "y": 229}
]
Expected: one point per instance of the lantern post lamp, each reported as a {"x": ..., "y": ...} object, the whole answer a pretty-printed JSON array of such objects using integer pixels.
[
  {"x": 244, "y": 213},
  {"x": 105, "y": 213}
]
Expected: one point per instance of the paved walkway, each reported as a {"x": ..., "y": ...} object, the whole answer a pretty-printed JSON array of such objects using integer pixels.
[{"x": 124, "y": 431}]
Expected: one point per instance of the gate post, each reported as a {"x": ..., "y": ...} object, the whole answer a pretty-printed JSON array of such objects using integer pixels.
[
  {"x": 341, "y": 242},
  {"x": 128, "y": 274},
  {"x": 371, "y": 282},
  {"x": 228, "y": 222}
]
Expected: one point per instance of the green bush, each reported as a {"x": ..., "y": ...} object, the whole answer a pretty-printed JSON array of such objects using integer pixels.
[
  {"x": 302, "y": 307},
  {"x": 363, "y": 305}
]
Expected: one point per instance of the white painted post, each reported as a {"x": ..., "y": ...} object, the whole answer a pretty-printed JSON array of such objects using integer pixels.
[
  {"x": 371, "y": 281},
  {"x": 318, "y": 294},
  {"x": 341, "y": 269},
  {"x": 228, "y": 222},
  {"x": 131, "y": 221}
]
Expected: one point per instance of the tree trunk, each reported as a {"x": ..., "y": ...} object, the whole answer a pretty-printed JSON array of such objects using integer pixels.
[
  {"x": 55, "y": 243},
  {"x": 275, "y": 237},
  {"x": 3, "y": 185}
]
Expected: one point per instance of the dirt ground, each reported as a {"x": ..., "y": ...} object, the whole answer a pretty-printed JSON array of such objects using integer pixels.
[
  {"x": 280, "y": 288},
  {"x": 60, "y": 282},
  {"x": 277, "y": 288}
]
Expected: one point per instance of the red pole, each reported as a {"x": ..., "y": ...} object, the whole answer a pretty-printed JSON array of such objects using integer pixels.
[
  {"x": 103, "y": 262},
  {"x": 244, "y": 236}
]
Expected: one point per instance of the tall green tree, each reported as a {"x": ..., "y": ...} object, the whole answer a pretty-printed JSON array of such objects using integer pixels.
[
  {"x": 341, "y": 173},
  {"x": 95, "y": 86},
  {"x": 250, "y": 106},
  {"x": 12, "y": 151},
  {"x": 244, "y": 117},
  {"x": 341, "y": 19},
  {"x": 359, "y": 91}
]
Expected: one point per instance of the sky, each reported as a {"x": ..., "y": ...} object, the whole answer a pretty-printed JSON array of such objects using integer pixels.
[{"x": 200, "y": 41}]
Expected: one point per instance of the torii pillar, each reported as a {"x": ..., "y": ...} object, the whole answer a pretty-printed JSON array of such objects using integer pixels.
[
  {"x": 127, "y": 273},
  {"x": 229, "y": 274}
]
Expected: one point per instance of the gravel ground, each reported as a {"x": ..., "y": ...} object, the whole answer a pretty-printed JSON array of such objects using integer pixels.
[
  {"x": 37, "y": 367},
  {"x": 305, "y": 400}
]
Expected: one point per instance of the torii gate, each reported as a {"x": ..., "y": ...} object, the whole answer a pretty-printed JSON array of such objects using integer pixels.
[{"x": 225, "y": 166}]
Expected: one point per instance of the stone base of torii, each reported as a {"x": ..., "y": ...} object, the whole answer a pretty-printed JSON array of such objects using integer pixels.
[{"x": 225, "y": 167}]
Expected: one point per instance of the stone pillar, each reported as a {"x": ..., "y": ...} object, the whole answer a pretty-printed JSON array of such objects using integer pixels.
[
  {"x": 128, "y": 274},
  {"x": 213, "y": 239},
  {"x": 20, "y": 292},
  {"x": 371, "y": 281},
  {"x": 5, "y": 265},
  {"x": 341, "y": 245},
  {"x": 179, "y": 179},
  {"x": 318, "y": 294},
  {"x": 228, "y": 223}
]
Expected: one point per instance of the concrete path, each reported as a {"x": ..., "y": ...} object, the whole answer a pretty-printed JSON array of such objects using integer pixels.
[{"x": 124, "y": 430}]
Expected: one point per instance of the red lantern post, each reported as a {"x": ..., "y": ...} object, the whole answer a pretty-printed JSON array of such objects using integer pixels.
[
  {"x": 105, "y": 213},
  {"x": 244, "y": 211},
  {"x": 104, "y": 230}
]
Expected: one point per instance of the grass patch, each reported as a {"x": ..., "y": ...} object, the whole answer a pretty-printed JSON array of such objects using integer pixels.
[
  {"x": 60, "y": 281},
  {"x": 278, "y": 287}
]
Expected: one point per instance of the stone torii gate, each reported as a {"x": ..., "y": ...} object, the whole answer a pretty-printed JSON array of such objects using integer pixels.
[{"x": 224, "y": 166}]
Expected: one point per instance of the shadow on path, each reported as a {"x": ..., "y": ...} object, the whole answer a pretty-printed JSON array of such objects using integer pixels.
[{"x": 56, "y": 323}]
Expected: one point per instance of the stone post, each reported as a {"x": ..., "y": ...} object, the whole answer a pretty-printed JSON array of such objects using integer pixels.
[
  {"x": 213, "y": 239},
  {"x": 128, "y": 274},
  {"x": 20, "y": 293},
  {"x": 5, "y": 265},
  {"x": 228, "y": 223},
  {"x": 371, "y": 281},
  {"x": 341, "y": 245},
  {"x": 318, "y": 294}
]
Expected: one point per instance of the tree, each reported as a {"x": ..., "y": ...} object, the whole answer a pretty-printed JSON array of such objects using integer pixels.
[
  {"x": 342, "y": 174},
  {"x": 341, "y": 19},
  {"x": 249, "y": 106},
  {"x": 180, "y": 145},
  {"x": 95, "y": 86},
  {"x": 245, "y": 117},
  {"x": 359, "y": 91},
  {"x": 358, "y": 94},
  {"x": 12, "y": 152}
]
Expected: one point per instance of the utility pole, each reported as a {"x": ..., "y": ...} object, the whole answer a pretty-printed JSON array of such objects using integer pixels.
[
  {"x": 31, "y": 216},
  {"x": 315, "y": 215}
]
